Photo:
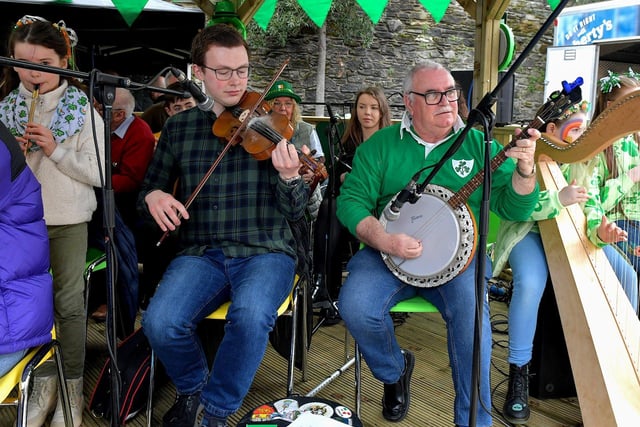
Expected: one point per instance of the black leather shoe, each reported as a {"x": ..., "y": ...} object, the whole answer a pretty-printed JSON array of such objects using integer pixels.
[
  {"x": 214, "y": 422},
  {"x": 184, "y": 411},
  {"x": 396, "y": 398}
]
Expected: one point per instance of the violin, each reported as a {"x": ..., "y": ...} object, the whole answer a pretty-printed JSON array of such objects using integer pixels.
[
  {"x": 235, "y": 129},
  {"x": 263, "y": 130}
]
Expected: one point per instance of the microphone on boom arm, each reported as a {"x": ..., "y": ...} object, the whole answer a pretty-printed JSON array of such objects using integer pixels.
[
  {"x": 408, "y": 194},
  {"x": 204, "y": 102}
]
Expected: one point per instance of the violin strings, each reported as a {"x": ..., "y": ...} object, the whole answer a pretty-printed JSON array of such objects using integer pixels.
[
  {"x": 273, "y": 136},
  {"x": 265, "y": 131}
]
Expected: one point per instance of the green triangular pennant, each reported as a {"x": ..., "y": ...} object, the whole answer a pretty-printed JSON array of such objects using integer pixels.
[
  {"x": 373, "y": 8},
  {"x": 129, "y": 9},
  {"x": 265, "y": 13},
  {"x": 436, "y": 8},
  {"x": 316, "y": 10},
  {"x": 553, "y": 3}
]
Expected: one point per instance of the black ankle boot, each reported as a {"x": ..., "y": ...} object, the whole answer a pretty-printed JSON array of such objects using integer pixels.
[
  {"x": 214, "y": 422},
  {"x": 184, "y": 411},
  {"x": 395, "y": 401},
  {"x": 516, "y": 405}
]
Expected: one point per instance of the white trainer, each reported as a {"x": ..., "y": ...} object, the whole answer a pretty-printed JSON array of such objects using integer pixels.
[
  {"x": 44, "y": 392},
  {"x": 76, "y": 401}
]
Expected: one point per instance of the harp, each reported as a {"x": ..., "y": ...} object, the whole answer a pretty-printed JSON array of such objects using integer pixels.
[
  {"x": 601, "y": 329},
  {"x": 620, "y": 119}
]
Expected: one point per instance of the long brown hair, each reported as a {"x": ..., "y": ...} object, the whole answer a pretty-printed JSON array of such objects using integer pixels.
[{"x": 353, "y": 133}]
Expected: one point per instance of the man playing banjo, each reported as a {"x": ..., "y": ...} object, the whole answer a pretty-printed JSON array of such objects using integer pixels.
[{"x": 382, "y": 167}]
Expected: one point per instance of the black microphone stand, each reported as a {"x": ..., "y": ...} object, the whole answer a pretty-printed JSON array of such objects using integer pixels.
[
  {"x": 106, "y": 84},
  {"x": 326, "y": 232},
  {"x": 483, "y": 115}
]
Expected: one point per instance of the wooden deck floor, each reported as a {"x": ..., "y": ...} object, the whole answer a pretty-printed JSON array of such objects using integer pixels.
[{"x": 432, "y": 391}]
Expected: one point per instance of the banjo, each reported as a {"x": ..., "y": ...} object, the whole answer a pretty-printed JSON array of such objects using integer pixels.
[{"x": 439, "y": 215}]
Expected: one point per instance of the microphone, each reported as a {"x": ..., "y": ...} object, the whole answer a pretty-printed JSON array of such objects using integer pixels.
[
  {"x": 205, "y": 102},
  {"x": 408, "y": 194},
  {"x": 332, "y": 118}
]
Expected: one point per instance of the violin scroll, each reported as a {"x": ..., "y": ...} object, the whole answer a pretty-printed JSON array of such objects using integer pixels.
[{"x": 318, "y": 168}]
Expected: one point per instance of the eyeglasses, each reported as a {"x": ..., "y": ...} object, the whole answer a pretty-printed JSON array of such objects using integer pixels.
[
  {"x": 224, "y": 74},
  {"x": 278, "y": 104},
  {"x": 434, "y": 97}
]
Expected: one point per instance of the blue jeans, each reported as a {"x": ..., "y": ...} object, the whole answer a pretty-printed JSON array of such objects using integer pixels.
[
  {"x": 633, "y": 240},
  {"x": 192, "y": 288},
  {"x": 625, "y": 273},
  {"x": 530, "y": 272},
  {"x": 8, "y": 361},
  {"x": 368, "y": 293}
]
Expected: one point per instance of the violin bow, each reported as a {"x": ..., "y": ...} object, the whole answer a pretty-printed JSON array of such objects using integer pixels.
[{"x": 232, "y": 141}]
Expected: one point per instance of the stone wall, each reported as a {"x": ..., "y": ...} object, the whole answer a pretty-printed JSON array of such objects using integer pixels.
[{"x": 405, "y": 35}]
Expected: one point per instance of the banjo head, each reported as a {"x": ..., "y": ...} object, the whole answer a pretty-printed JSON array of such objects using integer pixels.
[{"x": 447, "y": 235}]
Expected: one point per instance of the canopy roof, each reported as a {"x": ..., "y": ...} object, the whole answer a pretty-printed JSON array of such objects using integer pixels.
[{"x": 160, "y": 35}]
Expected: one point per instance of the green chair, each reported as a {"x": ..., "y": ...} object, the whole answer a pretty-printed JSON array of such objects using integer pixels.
[
  {"x": 96, "y": 261},
  {"x": 415, "y": 304}
]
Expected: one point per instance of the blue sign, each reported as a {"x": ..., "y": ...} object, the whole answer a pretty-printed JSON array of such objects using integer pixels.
[{"x": 593, "y": 26}]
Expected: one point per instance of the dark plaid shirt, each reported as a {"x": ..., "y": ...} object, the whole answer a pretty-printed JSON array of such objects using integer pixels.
[{"x": 242, "y": 209}]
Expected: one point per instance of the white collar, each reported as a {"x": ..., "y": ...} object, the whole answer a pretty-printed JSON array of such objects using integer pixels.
[
  {"x": 405, "y": 124},
  {"x": 121, "y": 131}
]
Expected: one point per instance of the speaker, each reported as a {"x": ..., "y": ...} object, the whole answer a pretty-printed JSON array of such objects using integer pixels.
[
  {"x": 504, "y": 104},
  {"x": 550, "y": 368}
]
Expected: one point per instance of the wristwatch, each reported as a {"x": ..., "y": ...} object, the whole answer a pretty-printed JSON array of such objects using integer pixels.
[
  {"x": 533, "y": 172},
  {"x": 293, "y": 181}
]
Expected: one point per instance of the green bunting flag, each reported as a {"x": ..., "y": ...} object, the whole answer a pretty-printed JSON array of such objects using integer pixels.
[
  {"x": 129, "y": 9},
  {"x": 317, "y": 10},
  {"x": 436, "y": 8},
  {"x": 264, "y": 14},
  {"x": 373, "y": 8},
  {"x": 553, "y": 3}
]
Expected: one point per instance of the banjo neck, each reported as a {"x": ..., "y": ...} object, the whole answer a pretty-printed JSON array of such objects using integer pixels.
[{"x": 461, "y": 196}]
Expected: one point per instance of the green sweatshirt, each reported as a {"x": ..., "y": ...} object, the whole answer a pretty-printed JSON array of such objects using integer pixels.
[{"x": 386, "y": 162}]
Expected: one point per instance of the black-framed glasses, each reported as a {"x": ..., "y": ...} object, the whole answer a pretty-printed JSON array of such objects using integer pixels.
[
  {"x": 224, "y": 74},
  {"x": 433, "y": 97}
]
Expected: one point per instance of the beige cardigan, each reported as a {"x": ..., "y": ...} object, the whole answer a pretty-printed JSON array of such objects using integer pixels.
[{"x": 69, "y": 175}]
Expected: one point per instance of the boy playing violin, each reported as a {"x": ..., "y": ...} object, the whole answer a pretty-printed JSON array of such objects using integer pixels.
[{"x": 235, "y": 240}]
